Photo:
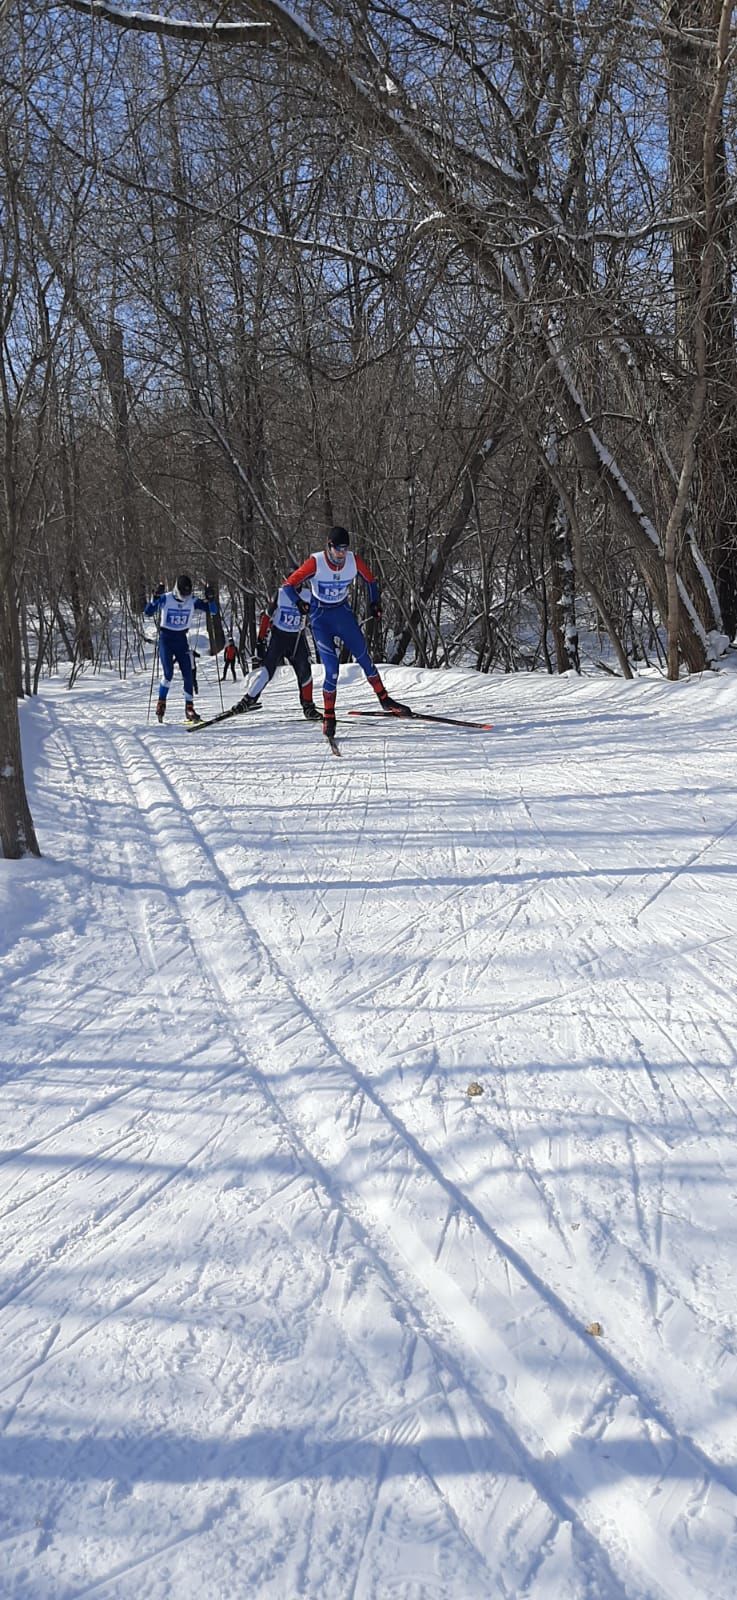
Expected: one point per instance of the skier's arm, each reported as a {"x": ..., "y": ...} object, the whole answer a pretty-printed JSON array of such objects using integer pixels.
[
  {"x": 263, "y": 631},
  {"x": 208, "y": 604},
  {"x": 156, "y": 602},
  {"x": 297, "y": 578},
  {"x": 374, "y": 592},
  {"x": 265, "y": 622}
]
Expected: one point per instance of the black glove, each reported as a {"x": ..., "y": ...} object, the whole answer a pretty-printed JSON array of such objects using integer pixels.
[
  {"x": 209, "y": 592},
  {"x": 303, "y": 606},
  {"x": 376, "y": 610},
  {"x": 159, "y": 591}
]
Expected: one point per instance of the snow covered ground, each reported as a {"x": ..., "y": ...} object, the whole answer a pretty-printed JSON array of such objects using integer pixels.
[{"x": 283, "y": 1310}]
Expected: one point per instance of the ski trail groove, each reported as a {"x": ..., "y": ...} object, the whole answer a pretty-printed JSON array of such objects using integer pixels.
[{"x": 144, "y": 771}]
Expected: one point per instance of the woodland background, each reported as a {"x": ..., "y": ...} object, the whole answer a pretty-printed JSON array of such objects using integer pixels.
[{"x": 456, "y": 275}]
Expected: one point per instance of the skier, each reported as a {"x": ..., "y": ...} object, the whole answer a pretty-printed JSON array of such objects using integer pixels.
[
  {"x": 329, "y": 574},
  {"x": 175, "y": 608},
  {"x": 229, "y": 655},
  {"x": 282, "y": 623}
]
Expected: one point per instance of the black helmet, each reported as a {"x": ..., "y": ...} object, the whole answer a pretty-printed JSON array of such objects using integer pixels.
[
  {"x": 183, "y": 586},
  {"x": 339, "y": 538}
]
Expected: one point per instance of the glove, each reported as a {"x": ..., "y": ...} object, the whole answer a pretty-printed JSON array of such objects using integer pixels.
[
  {"x": 209, "y": 592},
  {"x": 159, "y": 591},
  {"x": 303, "y": 606},
  {"x": 376, "y": 609}
]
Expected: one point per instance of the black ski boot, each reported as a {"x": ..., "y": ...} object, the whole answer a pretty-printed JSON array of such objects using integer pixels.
[
  {"x": 394, "y": 707},
  {"x": 328, "y": 725},
  {"x": 161, "y": 708},
  {"x": 189, "y": 712},
  {"x": 310, "y": 711},
  {"x": 247, "y": 704}
]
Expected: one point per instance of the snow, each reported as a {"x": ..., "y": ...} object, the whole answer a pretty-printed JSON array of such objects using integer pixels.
[{"x": 285, "y": 1311}]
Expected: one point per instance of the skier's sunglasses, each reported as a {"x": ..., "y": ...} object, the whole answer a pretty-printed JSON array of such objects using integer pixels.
[{"x": 339, "y": 550}]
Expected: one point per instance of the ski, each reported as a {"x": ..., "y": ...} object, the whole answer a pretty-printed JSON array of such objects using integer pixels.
[
  {"x": 426, "y": 716},
  {"x": 222, "y": 716},
  {"x": 334, "y": 746}
]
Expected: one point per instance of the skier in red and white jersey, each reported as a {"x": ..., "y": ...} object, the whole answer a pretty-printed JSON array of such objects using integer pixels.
[{"x": 330, "y": 574}]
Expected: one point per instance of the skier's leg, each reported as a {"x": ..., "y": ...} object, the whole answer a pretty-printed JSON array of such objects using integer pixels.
[
  {"x": 323, "y": 633},
  {"x": 180, "y": 651},
  {"x": 348, "y": 629},
  {"x": 303, "y": 673},
  {"x": 352, "y": 636},
  {"x": 166, "y": 658},
  {"x": 258, "y": 680},
  {"x": 273, "y": 659},
  {"x": 167, "y": 668}
]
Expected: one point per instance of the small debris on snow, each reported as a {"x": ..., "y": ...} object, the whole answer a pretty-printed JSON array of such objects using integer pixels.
[{"x": 474, "y": 1088}]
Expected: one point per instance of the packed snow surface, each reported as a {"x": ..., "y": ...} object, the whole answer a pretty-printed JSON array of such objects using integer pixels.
[{"x": 285, "y": 1311}]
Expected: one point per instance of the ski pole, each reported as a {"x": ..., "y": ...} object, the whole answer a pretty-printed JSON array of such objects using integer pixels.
[
  {"x": 193, "y": 652},
  {"x": 210, "y": 640},
  {"x": 220, "y": 686},
  {"x": 153, "y": 672}
]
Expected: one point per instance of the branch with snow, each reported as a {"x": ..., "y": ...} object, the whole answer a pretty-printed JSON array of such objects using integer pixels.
[{"x": 174, "y": 27}]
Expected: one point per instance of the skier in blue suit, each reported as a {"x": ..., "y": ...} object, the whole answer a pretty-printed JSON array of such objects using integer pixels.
[
  {"x": 175, "y": 608},
  {"x": 330, "y": 574}
]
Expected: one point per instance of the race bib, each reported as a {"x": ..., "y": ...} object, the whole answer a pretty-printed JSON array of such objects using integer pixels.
[
  {"x": 175, "y": 618},
  {"x": 332, "y": 593},
  {"x": 288, "y": 619}
]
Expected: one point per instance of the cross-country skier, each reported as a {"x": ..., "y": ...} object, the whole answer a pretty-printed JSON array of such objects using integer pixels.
[
  {"x": 229, "y": 656},
  {"x": 330, "y": 573},
  {"x": 282, "y": 624},
  {"x": 175, "y": 608}
]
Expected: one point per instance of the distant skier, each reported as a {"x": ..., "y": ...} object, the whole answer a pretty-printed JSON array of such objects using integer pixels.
[
  {"x": 230, "y": 656},
  {"x": 175, "y": 608},
  {"x": 282, "y": 624},
  {"x": 329, "y": 574}
]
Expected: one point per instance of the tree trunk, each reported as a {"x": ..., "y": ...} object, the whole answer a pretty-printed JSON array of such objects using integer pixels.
[
  {"x": 17, "y": 834},
  {"x": 562, "y": 588},
  {"x": 691, "y": 81}
]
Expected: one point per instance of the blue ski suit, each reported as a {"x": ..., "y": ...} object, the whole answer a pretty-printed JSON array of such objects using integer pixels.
[
  {"x": 332, "y": 619},
  {"x": 176, "y": 616}
]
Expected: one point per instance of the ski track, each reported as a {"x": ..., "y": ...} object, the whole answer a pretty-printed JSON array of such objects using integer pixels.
[
  {"x": 458, "y": 1200},
  {"x": 359, "y": 1218},
  {"x": 586, "y": 1472}
]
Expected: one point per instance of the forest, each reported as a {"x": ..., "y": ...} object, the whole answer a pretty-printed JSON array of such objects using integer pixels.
[{"x": 456, "y": 275}]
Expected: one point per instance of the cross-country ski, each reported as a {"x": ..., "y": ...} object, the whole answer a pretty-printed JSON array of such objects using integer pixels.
[
  {"x": 427, "y": 716},
  {"x": 224, "y": 716}
]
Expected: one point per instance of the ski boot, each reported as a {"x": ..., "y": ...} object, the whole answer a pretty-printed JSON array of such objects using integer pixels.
[
  {"x": 328, "y": 724},
  {"x": 161, "y": 708},
  {"x": 393, "y": 707},
  {"x": 248, "y": 703},
  {"x": 189, "y": 712},
  {"x": 310, "y": 711}
]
